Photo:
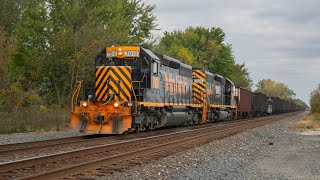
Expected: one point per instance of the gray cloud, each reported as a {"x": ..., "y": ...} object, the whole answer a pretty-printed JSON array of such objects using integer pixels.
[
  {"x": 276, "y": 39},
  {"x": 294, "y": 11}
]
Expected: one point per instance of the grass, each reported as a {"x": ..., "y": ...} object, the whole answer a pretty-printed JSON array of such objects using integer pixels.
[
  {"x": 49, "y": 120},
  {"x": 310, "y": 121}
]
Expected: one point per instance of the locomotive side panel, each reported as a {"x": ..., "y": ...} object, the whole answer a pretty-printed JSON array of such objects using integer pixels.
[
  {"x": 214, "y": 89},
  {"x": 175, "y": 88}
]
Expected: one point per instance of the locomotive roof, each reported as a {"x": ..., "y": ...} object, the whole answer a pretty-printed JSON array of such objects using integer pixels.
[
  {"x": 169, "y": 61},
  {"x": 151, "y": 54},
  {"x": 205, "y": 71},
  {"x": 214, "y": 77},
  {"x": 186, "y": 65},
  {"x": 230, "y": 81},
  {"x": 220, "y": 78}
]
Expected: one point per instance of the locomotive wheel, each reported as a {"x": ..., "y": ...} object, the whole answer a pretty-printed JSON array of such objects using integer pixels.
[
  {"x": 140, "y": 128},
  {"x": 137, "y": 128},
  {"x": 215, "y": 117},
  {"x": 151, "y": 126},
  {"x": 211, "y": 117},
  {"x": 234, "y": 115},
  {"x": 195, "y": 119}
]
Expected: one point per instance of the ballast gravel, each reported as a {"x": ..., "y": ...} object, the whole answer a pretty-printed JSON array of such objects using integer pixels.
[
  {"x": 274, "y": 151},
  {"x": 35, "y": 136}
]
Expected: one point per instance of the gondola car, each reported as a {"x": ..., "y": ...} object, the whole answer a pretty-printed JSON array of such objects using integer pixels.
[
  {"x": 259, "y": 104},
  {"x": 244, "y": 102}
]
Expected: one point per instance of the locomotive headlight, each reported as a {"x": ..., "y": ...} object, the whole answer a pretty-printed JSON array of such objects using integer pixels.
[
  {"x": 116, "y": 104},
  {"x": 84, "y": 104},
  {"x": 120, "y": 51}
]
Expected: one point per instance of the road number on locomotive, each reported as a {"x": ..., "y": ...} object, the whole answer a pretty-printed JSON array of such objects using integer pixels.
[{"x": 131, "y": 53}]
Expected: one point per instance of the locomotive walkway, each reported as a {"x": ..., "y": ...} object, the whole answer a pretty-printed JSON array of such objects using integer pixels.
[{"x": 91, "y": 161}]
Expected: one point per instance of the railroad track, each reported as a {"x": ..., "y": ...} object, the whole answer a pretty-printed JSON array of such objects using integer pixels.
[
  {"x": 104, "y": 158},
  {"x": 34, "y": 144},
  {"x": 22, "y": 150},
  {"x": 14, "y": 152}
]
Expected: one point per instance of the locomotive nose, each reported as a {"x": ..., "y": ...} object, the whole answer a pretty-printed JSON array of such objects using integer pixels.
[{"x": 113, "y": 80}]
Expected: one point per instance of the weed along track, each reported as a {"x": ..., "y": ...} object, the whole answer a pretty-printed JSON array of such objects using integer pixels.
[{"x": 112, "y": 156}]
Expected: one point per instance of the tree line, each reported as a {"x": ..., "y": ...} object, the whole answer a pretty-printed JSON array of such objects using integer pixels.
[
  {"x": 46, "y": 45},
  {"x": 276, "y": 89},
  {"x": 315, "y": 100},
  {"x": 205, "y": 48}
]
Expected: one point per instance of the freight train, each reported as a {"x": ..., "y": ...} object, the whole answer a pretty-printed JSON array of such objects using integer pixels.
[
  {"x": 136, "y": 90},
  {"x": 251, "y": 104}
]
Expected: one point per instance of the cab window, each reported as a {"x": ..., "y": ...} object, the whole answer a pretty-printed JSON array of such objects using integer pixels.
[{"x": 155, "y": 68}]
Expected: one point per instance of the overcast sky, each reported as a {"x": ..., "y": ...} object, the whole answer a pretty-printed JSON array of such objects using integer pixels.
[{"x": 277, "y": 39}]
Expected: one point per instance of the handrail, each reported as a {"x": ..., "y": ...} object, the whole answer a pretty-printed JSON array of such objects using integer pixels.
[
  {"x": 135, "y": 100},
  {"x": 75, "y": 95}
]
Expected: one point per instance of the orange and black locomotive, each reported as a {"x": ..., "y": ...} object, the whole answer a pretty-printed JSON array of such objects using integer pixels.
[{"x": 137, "y": 89}]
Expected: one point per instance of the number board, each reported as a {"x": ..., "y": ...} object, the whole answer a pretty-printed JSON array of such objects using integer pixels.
[
  {"x": 123, "y": 52},
  {"x": 111, "y": 54},
  {"x": 131, "y": 53}
]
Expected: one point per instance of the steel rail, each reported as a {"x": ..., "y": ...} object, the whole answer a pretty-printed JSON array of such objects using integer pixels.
[
  {"x": 51, "y": 144},
  {"x": 40, "y": 144}
]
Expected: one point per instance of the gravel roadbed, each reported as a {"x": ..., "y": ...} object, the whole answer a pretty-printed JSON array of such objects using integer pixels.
[
  {"x": 35, "y": 136},
  {"x": 275, "y": 151}
]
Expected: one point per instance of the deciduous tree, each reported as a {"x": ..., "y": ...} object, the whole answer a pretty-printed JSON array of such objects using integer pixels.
[
  {"x": 7, "y": 49},
  {"x": 275, "y": 89},
  {"x": 205, "y": 48},
  {"x": 315, "y": 100},
  {"x": 58, "y": 39}
]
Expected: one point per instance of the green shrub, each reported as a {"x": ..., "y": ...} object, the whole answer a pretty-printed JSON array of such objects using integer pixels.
[
  {"x": 15, "y": 99},
  {"x": 315, "y": 101},
  {"x": 310, "y": 121},
  {"x": 29, "y": 121}
]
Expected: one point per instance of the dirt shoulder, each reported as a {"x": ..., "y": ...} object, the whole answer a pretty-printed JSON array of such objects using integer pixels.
[{"x": 309, "y": 121}]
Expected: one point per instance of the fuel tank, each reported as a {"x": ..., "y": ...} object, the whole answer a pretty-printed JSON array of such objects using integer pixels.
[
  {"x": 223, "y": 115},
  {"x": 174, "y": 118}
]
